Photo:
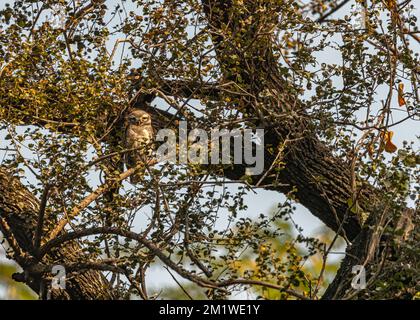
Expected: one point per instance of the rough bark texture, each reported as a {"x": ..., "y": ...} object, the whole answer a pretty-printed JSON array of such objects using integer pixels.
[
  {"x": 383, "y": 260},
  {"x": 19, "y": 209},
  {"x": 322, "y": 182},
  {"x": 319, "y": 180}
]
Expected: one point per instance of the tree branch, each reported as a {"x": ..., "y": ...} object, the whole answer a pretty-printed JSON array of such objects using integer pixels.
[{"x": 20, "y": 210}]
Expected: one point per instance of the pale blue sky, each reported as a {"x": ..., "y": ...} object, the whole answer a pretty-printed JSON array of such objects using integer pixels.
[{"x": 263, "y": 200}]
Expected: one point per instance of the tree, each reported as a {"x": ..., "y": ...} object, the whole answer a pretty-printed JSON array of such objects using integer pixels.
[
  {"x": 72, "y": 69},
  {"x": 10, "y": 289},
  {"x": 276, "y": 253}
]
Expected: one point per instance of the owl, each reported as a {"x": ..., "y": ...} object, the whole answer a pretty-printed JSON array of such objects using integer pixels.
[{"x": 139, "y": 135}]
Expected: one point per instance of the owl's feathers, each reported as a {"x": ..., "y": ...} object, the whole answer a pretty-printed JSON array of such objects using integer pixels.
[{"x": 139, "y": 135}]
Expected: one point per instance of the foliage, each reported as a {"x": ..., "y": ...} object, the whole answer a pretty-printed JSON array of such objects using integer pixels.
[
  {"x": 71, "y": 69},
  {"x": 285, "y": 259},
  {"x": 10, "y": 289}
]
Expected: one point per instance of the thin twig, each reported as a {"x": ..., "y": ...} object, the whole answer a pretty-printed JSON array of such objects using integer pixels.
[
  {"x": 179, "y": 284},
  {"x": 92, "y": 197},
  {"x": 333, "y": 10},
  {"x": 41, "y": 215}
]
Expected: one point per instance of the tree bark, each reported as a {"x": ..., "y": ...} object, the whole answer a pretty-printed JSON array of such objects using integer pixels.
[
  {"x": 320, "y": 181},
  {"x": 19, "y": 211}
]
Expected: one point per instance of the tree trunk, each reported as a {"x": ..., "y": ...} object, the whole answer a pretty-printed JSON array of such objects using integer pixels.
[
  {"x": 320, "y": 181},
  {"x": 19, "y": 212}
]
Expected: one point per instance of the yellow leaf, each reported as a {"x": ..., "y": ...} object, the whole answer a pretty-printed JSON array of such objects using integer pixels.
[
  {"x": 371, "y": 150},
  {"x": 401, "y": 100},
  {"x": 263, "y": 248},
  {"x": 390, "y": 4},
  {"x": 386, "y": 143},
  {"x": 390, "y": 147}
]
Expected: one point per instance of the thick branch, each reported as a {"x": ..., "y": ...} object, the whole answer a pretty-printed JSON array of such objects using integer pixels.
[
  {"x": 20, "y": 209},
  {"x": 320, "y": 181}
]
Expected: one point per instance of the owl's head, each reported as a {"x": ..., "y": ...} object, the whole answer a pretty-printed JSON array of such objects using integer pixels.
[{"x": 139, "y": 118}]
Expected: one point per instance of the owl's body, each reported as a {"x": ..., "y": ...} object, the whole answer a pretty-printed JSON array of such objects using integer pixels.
[{"x": 139, "y": 135}]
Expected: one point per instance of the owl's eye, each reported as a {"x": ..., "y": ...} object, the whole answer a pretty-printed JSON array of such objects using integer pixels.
[
  {"x": 144, "y": 118},
  {"x": 132, "y": 119}
]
